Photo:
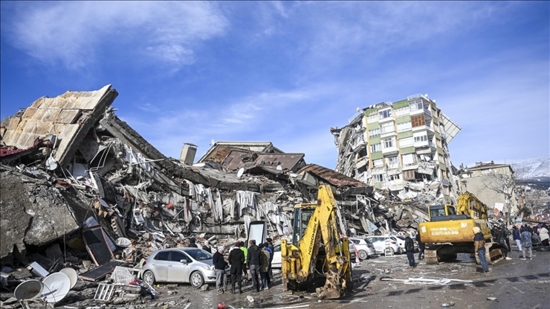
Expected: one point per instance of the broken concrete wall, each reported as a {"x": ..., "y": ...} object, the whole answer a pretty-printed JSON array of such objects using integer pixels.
[{"x": 34, "y": 212}]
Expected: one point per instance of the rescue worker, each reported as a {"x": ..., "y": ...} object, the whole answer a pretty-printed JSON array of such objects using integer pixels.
[
  {"x": 421, "y": 247},
  {"x": 479, "y": 249}
]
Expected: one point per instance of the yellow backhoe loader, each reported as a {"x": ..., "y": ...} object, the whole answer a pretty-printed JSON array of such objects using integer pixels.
[{"x": 318, "y": 249}]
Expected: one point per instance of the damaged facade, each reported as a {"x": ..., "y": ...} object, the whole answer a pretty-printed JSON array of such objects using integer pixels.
[
  {"x": 401, "y": 149},
  {"x": 76, "y": 177}
]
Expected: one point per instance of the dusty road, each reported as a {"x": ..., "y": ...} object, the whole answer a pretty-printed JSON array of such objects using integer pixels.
[{"x": 513, "y": 284}]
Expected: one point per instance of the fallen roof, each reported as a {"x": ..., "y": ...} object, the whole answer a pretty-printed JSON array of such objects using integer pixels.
[
  {"x": 69, "y": 116},
  {"x": 219, "y": 150},
  {"x": 240, "y": 158},
  {"x": 331, "y": 176}
]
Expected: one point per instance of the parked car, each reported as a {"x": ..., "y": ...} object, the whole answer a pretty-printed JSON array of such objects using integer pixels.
[
  {"x": 379, "y": 242},
  {"x": 364, "y": 247},
  {"x": 276, "y": 262},
  {"x": 179, "y": 265}
]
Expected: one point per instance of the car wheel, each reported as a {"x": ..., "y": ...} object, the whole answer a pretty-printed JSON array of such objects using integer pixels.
[
  {"x": 363, "y": 255},
  {"x": 392, "y": 252},
  {"x": 149, "y": 277},
  {"x": 196, "y": 279}
]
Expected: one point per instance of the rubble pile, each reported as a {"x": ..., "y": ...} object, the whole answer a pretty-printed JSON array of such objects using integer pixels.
[{"x": 82, "y": 189}]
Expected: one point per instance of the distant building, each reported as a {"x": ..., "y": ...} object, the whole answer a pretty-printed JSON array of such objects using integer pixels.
[
  {"x": 390, "y": 145},
  {"x": 494, "y": 184}
]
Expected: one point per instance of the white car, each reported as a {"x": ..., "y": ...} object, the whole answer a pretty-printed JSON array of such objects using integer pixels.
[
  {"x": 276, "y": 262},
  {"x": 401, "y": 243},
  {"x": 364, "y": 247},
  {"x": 381, "y": 241}
]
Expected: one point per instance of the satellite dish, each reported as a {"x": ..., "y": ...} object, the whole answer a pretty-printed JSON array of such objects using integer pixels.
[
  {"x": 240, "y": 172},
  {"x": 123, "y": 242},
  {"x": 28, "y": 289},
  {"x": 56, "y": 287},
  {"x": 71, "y": 273}
]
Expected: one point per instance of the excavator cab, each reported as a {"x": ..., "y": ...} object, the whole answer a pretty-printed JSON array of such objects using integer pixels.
[{"x": 301, "y": 220}]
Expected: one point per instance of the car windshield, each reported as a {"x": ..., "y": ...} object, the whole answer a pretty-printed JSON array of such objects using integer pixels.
[
  {"x": 368, "y": 241},
  {"x": 198, "y": 254}
]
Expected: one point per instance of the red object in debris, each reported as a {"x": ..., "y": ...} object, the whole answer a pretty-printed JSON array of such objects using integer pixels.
[
  {"x": 221, "y": 306},
  {"x": 170, "y": 206}
]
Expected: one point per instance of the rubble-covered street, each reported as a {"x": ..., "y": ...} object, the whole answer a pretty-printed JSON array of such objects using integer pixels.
[{"x": 82, "y": 192}]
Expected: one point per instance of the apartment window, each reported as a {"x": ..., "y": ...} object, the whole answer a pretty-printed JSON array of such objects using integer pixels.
[
  {"x": 376, "y": 148},
  {"x": 416, "y": 105},
  {"x": 394, "y": 177},
  {"x": 422, "y": 138},
  {"x": 392, "y": 161},
  {"x": 385, "y": 113},
  {"x": 374, "y": 132},
  {"x": 409, "y": 158},
  {"x": 378, "y": 163},
  {"x": 387, "y": 128},
  {"x": 378, "y": 177},
  {"x": 388, "y": 143},
  {"x": 404, "y": 126}
]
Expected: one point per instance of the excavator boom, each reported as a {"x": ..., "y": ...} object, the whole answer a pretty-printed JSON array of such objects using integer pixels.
[{"x": 317, "y": 248}]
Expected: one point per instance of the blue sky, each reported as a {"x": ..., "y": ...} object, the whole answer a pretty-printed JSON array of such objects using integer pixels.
[{"x": 286, "y": 72}]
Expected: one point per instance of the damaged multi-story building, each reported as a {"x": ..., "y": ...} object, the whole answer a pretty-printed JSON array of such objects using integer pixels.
[
  {"x": 71, "y": 169},
  {"x": 399, "y": 147},
  {"x": 494, "y": 184}
]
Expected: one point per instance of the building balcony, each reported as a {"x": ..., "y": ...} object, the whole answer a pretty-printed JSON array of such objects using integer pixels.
[
  {"x": 389, "y": 150},
  {"x": 422, "y": 128}
]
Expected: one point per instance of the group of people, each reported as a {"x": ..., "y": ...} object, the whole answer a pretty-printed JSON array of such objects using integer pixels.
[
  {"x": 523, "y": 236},
  {"x": 255, "y": 259}
]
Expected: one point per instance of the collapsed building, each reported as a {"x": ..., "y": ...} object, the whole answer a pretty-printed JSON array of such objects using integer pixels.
[
  {"x": 81, "y": 187},
  {"x": 401, "y": 149}
]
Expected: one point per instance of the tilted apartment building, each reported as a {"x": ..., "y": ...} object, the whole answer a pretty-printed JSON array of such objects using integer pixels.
[{"x": 398, "y": 146}]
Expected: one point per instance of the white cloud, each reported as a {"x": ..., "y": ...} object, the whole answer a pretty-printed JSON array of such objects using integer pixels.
[{"x": 73, "y": 33}]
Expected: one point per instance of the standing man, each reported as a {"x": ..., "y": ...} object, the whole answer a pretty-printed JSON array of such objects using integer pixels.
[
  {"x": 236, "y": 261},
  {"x": 517, "y": 237},
  {"x": 409, "y": 248},
  {"x": 479, "y": 249},
  {"x": 253, "y": 262},
  {"x": 219, "y": 265},
  {"x": 543, "y": 233},
  {"x": 271, "y": 250},
  {"x": 421, "y": 247},
  {"x": 526, "y": 243},
  {"x": 264, "y": 266},
  {"x": 242, "y": 245}
]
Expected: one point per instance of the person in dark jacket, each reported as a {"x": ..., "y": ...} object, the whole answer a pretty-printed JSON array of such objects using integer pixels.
[
  {"x": 409, "y": 248},
  {"x": 269, "y": 243},
  {"x": 500, "y": 237},
  {"x": 253, "y": 262},
  {"x": 236, "y": 261},
  {"x": 517, "y": 237},
  {"x": 479, "y": 248},
  {"x": 219, "y": 265},
  {"x": 421, "y": 247},
  {"x": 193, "y": 243}
]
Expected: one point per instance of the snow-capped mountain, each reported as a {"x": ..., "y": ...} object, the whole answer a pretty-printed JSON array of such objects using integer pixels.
[{"x": 531, "y": 168}]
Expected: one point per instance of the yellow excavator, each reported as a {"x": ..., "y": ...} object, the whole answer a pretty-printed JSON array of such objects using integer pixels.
[
  {"x": 318, "y": 250},
  {"x": 449, "y": 230}
]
